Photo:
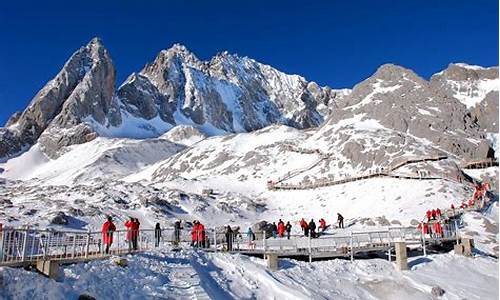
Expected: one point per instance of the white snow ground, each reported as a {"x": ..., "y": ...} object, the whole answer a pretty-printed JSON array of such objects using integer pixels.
[{"x": 196, "y": 275}]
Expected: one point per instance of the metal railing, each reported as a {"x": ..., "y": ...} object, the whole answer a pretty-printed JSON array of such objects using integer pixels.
[
  {"x": 28, "y": 245},
  {"x": 25, "y": 245}
]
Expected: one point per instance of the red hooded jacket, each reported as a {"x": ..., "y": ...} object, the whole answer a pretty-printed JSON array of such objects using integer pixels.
[{"x": 107, "y": 232}]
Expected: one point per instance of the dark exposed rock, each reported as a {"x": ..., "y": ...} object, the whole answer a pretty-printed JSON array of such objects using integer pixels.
[{"x": 60, "y": 219}]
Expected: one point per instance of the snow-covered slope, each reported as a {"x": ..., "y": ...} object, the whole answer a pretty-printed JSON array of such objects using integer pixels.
[
  {"x": 100, "y": 158},
  {"x": 197, "y": 275}
]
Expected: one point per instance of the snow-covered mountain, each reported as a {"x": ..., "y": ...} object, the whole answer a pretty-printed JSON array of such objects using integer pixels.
[
  {"x": 226, "y": 94},
  {"x": 181, "y": 125}
]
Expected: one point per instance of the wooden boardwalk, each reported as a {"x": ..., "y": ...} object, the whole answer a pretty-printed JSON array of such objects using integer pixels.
[
  {"x": 323, "y": 182},
  {"x": 480, "y": 164}
]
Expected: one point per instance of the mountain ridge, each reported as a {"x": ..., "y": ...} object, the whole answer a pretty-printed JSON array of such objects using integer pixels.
[{"x": 230, "y": 93}]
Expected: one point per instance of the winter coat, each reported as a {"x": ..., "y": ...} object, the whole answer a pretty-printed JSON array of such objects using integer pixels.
[
  {"x": 428, "y": 214},
  {"x": 201, "y": 232},
  {"x": 157, "y": 231},
  {"x": 281, "y": 228},
  {"x": 288, "y": 227},
  {"x": 135, "y": 229},
  {"x": 312, "y": 226},
  {"x": 107, "y": 232},
  {"x": 437, "y": 228},
  {"x": 194, "y": 233},
  {"x": 303, "y": 224},
  {"x": 322, "y": 223},
  {"x": 130, "y": 227}
]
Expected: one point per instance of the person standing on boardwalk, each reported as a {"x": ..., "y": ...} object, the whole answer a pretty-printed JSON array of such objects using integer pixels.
[
  {"x": 157, "y": 235},
  {"x": 229, "y": 238},
  {"x": 303, "y": 225},
  {"x": 251, "y": 238},
  {"x": 322, "y": 224},
  {"x": 288, "y": 228},
  {"x": 312, "y": 228},
  {"x": 130, "y": 233},
  {"x": 281, "y": 229},
  {"x": 340, "y": 219},
  {"x": 274, "y": 229},
  {"x": 194, "y": 234},
  {"x": 200, "y": 237},
  {"x": 135, "y": 233},
  {"x": 108, "y": 228},
  {"x": 177, "y": 232}
]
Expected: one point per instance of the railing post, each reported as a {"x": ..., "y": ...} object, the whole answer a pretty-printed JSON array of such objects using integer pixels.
[
  {"x": 264, "y": 241},
  {"x": 389, "y": 252},
  {"x": 352, "y": 247},
  {"x": 310, "y": 249},
  {"x": 215, "y": 238},
  {"x": 74, "y": 245},
  {"x": 423, "y": 241},
  {"x": 25, "y": 243},
  {"x": 87, "y": 244},
  {"x": 47, "y": 245},
  {"x": 2, "y": 244},
  {"x": 457, "y": 234}
]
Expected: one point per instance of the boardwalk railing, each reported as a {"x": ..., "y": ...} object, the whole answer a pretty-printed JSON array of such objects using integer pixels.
[
  {"x": 327, "y": 181},
  {"x": 18, "y": 245},
  {"x": 337, "y": 244},
  {"x": 25, "y": 246}
]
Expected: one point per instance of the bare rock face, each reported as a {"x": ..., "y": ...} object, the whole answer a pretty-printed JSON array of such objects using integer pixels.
[
  {"x": 13, "y": 119},
  {"x": 474, "y": 86},
  {"x": 142, "y": 99},
  {"x": 230, "y": 93},
  {"x": 82, "y": 90},
  {"x": 10, "y": 143},
  {"x": 400, "y": 100}
]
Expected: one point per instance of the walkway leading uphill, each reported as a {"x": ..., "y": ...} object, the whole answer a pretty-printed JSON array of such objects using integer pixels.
[{"x": 322, "y": 182}]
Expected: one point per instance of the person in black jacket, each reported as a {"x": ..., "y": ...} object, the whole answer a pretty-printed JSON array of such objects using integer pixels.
[
  {"x": 229, "y": 238},
  {"x": 274, "y": 229},
  {"x": 312, "y": 228},
  {"x": 288, "y": 228},
  {"x": 177, "y": 232},
  {"x": 157, "y": 235},
  {"x": 340, "y": 219}
]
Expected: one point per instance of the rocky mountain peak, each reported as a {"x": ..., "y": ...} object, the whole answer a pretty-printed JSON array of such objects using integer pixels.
[{"x": 395, "y": 73}]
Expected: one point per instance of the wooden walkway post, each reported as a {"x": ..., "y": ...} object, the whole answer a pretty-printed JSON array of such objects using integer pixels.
[
  {"x": 87, "y": 244},
  {"x": 309, "y": 246},
  {"x": 423, "y": 240},
  {"x": 352, "y": 247},
  {"x": 401, "y": 256},
  {"x": 215, "y": 238},
  {"x": 25, "y": 243}
]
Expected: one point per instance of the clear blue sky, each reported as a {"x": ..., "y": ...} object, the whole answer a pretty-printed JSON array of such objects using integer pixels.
[{"x": 335, "y": 43}]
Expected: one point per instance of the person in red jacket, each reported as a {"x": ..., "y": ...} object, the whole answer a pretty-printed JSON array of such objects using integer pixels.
[
  {"x": 429, "y": 215},
  {"x": 438, "y": 212},
  {"x": 194, "y": 233},
  {"x": 322, "y": 224},
  {"x": 107, "y": 233},
  {"x": 303, "y": 224},
  {"x": 433, "y": 213},
  {"x": 281, "y": 229},
  {"x": 438, "y": 230},
  {"x": 200, "y": 235},
  {"x": 129, "y": 225},
  {"x": 135, "y": 233}
]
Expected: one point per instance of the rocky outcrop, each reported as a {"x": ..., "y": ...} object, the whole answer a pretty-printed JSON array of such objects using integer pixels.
[
  {"x": 82, "y": 90},
  {"x": 400, "y": 100},
  {"x": 229, "y": 92}
]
